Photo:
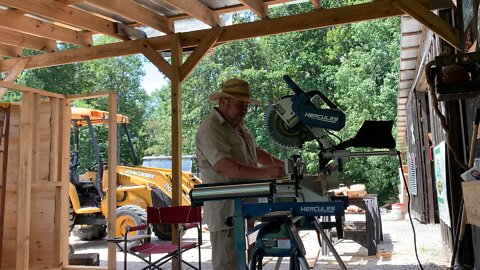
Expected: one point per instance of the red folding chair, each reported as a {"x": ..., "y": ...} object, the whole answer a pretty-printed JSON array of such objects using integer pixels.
[{"x": 186, "y": 217}]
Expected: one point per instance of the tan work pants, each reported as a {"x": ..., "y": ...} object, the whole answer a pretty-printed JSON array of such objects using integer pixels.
[{"x": 224, "y": 255}]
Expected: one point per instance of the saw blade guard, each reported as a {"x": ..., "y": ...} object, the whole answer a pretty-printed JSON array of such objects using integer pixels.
[
  {"x": 291, "y": 134},
  {"x": 309, "y": 114}
]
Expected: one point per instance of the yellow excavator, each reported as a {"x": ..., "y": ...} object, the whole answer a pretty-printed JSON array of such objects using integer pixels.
[{"x": 137, "y": 186}]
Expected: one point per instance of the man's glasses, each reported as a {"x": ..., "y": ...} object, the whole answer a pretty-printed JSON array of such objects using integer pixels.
[{"x": 240, "y": 105}]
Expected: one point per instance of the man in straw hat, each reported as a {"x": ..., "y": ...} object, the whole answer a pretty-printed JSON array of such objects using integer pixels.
[{"x": 226, "y": 152}]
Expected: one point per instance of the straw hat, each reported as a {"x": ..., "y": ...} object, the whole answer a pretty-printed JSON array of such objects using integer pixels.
[{"x": 236, "y": 89}]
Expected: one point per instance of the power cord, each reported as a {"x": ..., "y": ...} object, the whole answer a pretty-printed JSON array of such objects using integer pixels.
[{"x": 408, "y": 209}]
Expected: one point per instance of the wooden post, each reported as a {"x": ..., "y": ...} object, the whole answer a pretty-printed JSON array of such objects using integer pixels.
[
  {"x": 176, "y": 121},
  {"x": 63, "y": 108},
  {"x": 24, "y": 182},
  {"x": 176, "y": 134},
  {"x": 112, "y": 177}
]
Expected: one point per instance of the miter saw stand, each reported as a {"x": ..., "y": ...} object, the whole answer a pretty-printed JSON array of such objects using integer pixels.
[{"x": 277, "y": 234}]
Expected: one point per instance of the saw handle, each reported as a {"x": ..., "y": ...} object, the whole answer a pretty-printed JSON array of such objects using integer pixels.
[
  {"x": 304, "y": 97},
  {"x": 293, "y": 85}
]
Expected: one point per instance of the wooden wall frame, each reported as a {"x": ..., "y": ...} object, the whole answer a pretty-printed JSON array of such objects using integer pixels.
[{"x": 37, "y": 189}]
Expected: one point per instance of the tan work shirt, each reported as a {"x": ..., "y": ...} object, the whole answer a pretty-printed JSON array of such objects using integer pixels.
[{"x": 216, "y": 139}]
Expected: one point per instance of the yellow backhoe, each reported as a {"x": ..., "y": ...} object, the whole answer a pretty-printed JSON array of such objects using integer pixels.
[{"x": 137, "y": 186}]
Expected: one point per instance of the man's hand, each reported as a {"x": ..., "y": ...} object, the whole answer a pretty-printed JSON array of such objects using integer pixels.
[{"x": 234, "y": 170}]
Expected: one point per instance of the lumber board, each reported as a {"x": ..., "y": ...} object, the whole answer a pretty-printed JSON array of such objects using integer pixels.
[
  {"x": 176, "y": 120},
  {"x": 35, "y": 138},
  {"x": 55, "y": 145},
  {"x": 62, "y": 202},
  {"x": 38, "y": 28},
  {"x": 112, "y": 178},
  {"x": 24, "y": 181},
  {"x": 197, "y": 10},
  {"x": 23, "y": 88},
  {"x": 89, "y": 95},
  {"x": 83, "y": 267}
]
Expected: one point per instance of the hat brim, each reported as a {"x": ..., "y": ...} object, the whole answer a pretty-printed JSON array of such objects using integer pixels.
[{"x": 217, "y": 95}]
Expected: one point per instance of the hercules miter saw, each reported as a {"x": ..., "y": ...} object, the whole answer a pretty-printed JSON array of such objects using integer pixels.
[{"x": 295, "y": 119}]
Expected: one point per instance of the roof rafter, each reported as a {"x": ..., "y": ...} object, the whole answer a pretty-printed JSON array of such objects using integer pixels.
[
  {"x": 15, "y": 38},
  {"x": 229, "y": 9},
  {"x": 11, "y": 51},
  {"x": 68, "y": 2},
  {"x": 17, "y": 22},
  {"x": 65, "y": 14},
  {"x": 197, "y": 10},
  {"x": 137, "y": 13},
  {"x": 257, "y": 6},
  {"x": 317, "y": 19}
]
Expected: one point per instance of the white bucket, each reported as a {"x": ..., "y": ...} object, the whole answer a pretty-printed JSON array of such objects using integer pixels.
[
  {"x": 398, "y": 211},
  {"x": 397, "y": 214}
]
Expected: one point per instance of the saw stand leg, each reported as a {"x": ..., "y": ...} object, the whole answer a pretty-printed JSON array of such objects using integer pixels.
[{"x": 319, "y": 229}]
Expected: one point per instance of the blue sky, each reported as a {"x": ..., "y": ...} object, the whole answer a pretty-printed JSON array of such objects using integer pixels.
[{"x": 153, "y": 79}]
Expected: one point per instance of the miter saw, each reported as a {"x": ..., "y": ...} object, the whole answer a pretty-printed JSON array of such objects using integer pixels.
[{"x": 295, "y": 119}]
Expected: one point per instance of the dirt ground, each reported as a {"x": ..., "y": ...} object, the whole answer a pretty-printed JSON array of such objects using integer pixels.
[{"x": 395, "y": 252}]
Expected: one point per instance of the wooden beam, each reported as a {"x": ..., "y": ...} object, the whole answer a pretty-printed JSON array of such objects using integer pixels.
[
  {"x": 15, "y": 38},
  {"x": 228, "y": 9},
  {"x": 24, "y": 192},
  {"x": 176, "y": 121},
  {"x": 62, "y": 195},
  {"x": 257, "y": 6},
  {"x": 155, "y": 58},
  {"x": 11, "y": 20},
  {"x": 197, "y": 10},
  {"x": 69, "y": 2},
  {"x": 55, "y": 145},
  {"x": 83, "y": 267},
  {"x": 317, "y": 19},
  {"x": 423, "y": 15},
  {"x": 13, "y": 74},
  {"x": 11, "y": 51},
  {"x": 23, "y": 88},
  {"x": 317, "y": 4},
  {"x": 89, "y": 95},
  {"x": 137, "y": 13},
  {"x": 112, "y": 179},
  {"x": 65, "y": 14},
  {"x": 176, "y": 101},
  {"x": 199, "y": 52}
]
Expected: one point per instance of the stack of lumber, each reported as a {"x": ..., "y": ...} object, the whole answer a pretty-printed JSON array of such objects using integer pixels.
[{"x": 353, "y": 191}]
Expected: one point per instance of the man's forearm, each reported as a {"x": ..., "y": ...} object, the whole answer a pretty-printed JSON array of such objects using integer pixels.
[
  {"x": 236, "y": 170},
  {"x": 266, "y": 158}
]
